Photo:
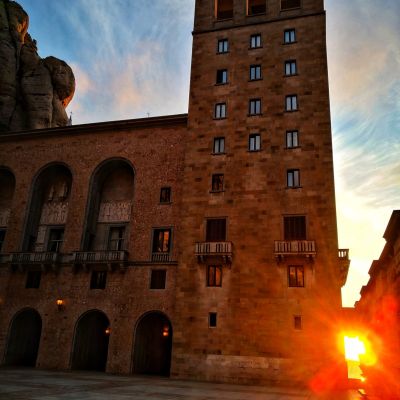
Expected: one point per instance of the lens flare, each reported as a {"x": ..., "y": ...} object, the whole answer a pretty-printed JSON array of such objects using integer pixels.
[{"x": 354, "y": 347}]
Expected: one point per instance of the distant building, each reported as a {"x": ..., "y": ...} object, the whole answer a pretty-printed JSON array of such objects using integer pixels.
[{"x": 201, "y": 246}]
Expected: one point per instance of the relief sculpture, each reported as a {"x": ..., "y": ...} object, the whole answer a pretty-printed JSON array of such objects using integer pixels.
[{"x": 115, "y": 211}]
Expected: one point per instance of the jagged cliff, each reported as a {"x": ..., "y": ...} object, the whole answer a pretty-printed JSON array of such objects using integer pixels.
[{"x": 34, "y": 92}]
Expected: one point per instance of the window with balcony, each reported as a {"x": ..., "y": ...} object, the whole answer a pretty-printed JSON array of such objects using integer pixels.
[
  {"x": 289, "y": 36},
  {"x": 255, "y": 72},
  {"x": 116, "y": 236},
  {"x": 255, "y": 7},
  {"x": 2, "y": 237},
  {"x": 220, "y": 111},
  {"x": 222, "y": 77},
  {"x": 255, "y": 107},
  {"x": 289, "y": 4},
  {"x": 158, "y": 279},
  {"x": 214, "y": 276},
  {"x": 291, "y": 103},
  {"x": 212, "y": 320},
  {"x": 216, "y": 230},
  {"x": 98, "y": 280},
  {"x": 161, "y": 241},
  {"x": 293, "y": 178},
  {"x": 255, "y": 41},
  {"x": 255, "y": 142},
  {"x": 295, "y": 228},
  {"x": 33, "y": 279},
  {"x": 296, "y": 275},
  {"x": 56, "y": 237},
  {"x": 224, "y": 9},
  {"x": 292, "y": 139},
  {"x": 222, "y": 46},
  {"x": 219, "y": 145},
  {"x": 217, "y": 183},
  {"x": 290, "y": 67},
  {"x": 165, "y": 195}
]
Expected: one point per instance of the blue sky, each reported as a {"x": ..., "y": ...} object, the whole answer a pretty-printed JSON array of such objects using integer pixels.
[{"x": 132, "y": 58}]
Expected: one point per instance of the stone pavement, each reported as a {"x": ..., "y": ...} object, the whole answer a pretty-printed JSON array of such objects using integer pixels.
[{"x": 33, "y": 384}]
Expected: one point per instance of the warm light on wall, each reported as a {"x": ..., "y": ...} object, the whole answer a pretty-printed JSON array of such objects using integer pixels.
[
  {"x": 165, "y": 331},
  {"x": 107, "y": 331},
  {"x": 60, "y": 304}
]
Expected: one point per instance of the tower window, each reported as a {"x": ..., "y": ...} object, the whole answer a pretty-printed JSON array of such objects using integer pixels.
[
  {"x": 289, "y": 36},
  {"x": 223, "y": 46},
  {"x": 212, "y": 319},
  {"x": 116, "y": 238},
  {"x": 33, "y": 279},
  {"x": 295, "y": 228},
  {"x": 165, "y": 195},
  {"x": 224, "y": 9},
  {"x": 158, "y": 278},
  {"x": 291, "y": 103},
  {"x": 2, "y": 237},
  {"x": 214, "y": 276},
  {"x": 255, "y": 72},
  {"x": 290, "y": 67},
  {"x": 255, "y": 142},
  {"x": 56, "y": 237},
  {"x": 161, "y": 240},
  {"x": 217, "y": 183},
  {"x": 216, "y": 230},
  {"x": 256, "y": 7},
  {"x": 255, "y": 41},
  {"x": 222, "y": 76},
  {"x": 98, "y": 280},
  {"x": 292, "y": 139},
  {"x": 255, "y": 107},
  {"x": 220, "y": 111},
  {"x": 296, "y": 276},
  {"x": 293, "y": 178},
  {"x": 288, "y": 4},
  {"x": 219, "y": 145},
  {"x": 297, "y": 322}
]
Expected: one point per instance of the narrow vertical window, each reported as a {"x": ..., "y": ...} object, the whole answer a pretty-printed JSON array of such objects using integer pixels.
[
  {"x": 291, "y": 103},
  {"x": 297, "y": 322},
  {"x": 161, "y": 245},
  {"x": 219, "y": 145},
  {"x": 222, "y": 46},
  {"x": 2, "y": 237},
  {"x": 222, "y": 76},
  {"x": 255, "y": 41},
  {"x": 116, "y": 238},
  {"x": 289, "y": 36},
  {"x": 217, "y": 183},
  {"x": 98, "y": 280},
  {"x": 216, "y": 230},
  {"x": 293, "y": 178},
  {"x": 292, "y": 139},
  {"x": 296, "y": 276},
  {"x": 255, "y": 7},
  {"x": 212, "y": 319},
  {"x": 214, "y": 276},
  {"x": 56, "y": 237},
  {"x": 165, "y": 195},
  {"x": 255, "y": 142},
  {"x": 290, "y": 67},
  {"x": 255, "y": 72},
  {"x": 158, "y": 279},
  {"x": 224, "y": 9},
  {"x": 255, "y": 107},
  {"x": 220, "y": 111},
  {"x": 33, "y": 279}
]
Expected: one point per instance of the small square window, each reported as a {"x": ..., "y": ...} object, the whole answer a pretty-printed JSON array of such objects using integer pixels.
[
  {"x": 224, "y": 9},
  {"x": 33, "y": 279},
  {"x": 293, "y": 178},
  {"x": 116, "y": 236},
  {"x": 217, "y": 183},
  {"x": 255, "y": 41},
  {"x": 292, "y": 139},
  {"x": 219, "y": 145},
  {"x": 2, "y": 237},
  {"x": 289, "y": 36},
  {"x": 255, "y": 7},
  {"x": 291, "y": 103},
  {"x": 255, "y": 72},
  {"x": 158, "y": 278},
  {"x": 98, "y": 280},
  {"x": 295, "y": 228},
  {"x": 290, "y": 67},
  {"x": 212, "y": 320},
  {"x": 255, "y": 107},
  {"x": 56, "y": 238},
  {"x": 223, "y": 46},
  {"x": 216, "y": 230},
  {"x": 296, "y": 276},
  {"x": 288, "y": 4},
  {"x": 220, "y": 111},
  {"x": 297, "y": 322},
  {"x": 222, "y": 76},
  {"x": 214, "y": 276},
  {"x": 165, "y": 195},
  {"x": 255, "y": 142}
]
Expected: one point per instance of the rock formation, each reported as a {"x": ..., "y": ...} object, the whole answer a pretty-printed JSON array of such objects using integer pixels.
[{"x": 34, "y": 92}]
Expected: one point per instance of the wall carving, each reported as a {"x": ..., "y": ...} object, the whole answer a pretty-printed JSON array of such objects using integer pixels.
[
  {"x": 4, "y": 217},
  {"x": 54, "y": 213},
  {"x": 118, "y": 211}
]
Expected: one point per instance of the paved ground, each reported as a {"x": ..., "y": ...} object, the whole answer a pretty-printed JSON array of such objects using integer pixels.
[{"x": 32, "y": 384}]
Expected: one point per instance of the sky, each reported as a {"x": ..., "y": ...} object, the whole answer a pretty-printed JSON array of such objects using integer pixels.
[{"x": 131, "y": 59}]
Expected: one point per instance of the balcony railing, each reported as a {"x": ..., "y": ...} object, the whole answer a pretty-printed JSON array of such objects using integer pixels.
[
  {"x": 34, "y": 258},
  {"x": 103, "y": 256},
  {"x": 294, "y": 248},
  {"x": 222, "y": 250},
  {"x": 160, "y": 257}
]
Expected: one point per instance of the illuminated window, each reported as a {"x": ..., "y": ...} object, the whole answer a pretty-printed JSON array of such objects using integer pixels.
[
  {"x": 212, "y": 319},
  {"x": 217, "y": 183},
  {"x": 216, "y": 230},
  {"x": 255, "y": 72},
  {"x": 255, "y": 41},
  {"x": 295, "y": 228},
  {"x": 98, "y": 280},
  {"x": 220, "y": 111},
  {"x": 297, "y": 322},
  {"x": 291, "y": 103},
  {"x": 56, "y": 237},
  {"x": 289, "y": 36},
  {"x": 255, "y": 107},
  {"x": 224, "y": 9},
  {"x": 290, "y": 67},
  {"x": 165, "y": 195},
  {"x": 2, "y": 237},
  {"x": 116, "y": 238},
  {"x": 293, "y": 178},
  {"x": 219, "y": 145},
  {"x": 223, "y": 46},
  {"x": 33, "y": 279},
  {"x": 158, "y": 278},
  {"x": 222, "y": 76},
  {"x": 296, "y": 276},
  {"x": 255, "y": 142},
  {"x": 161, "y": 240},
  {"x": 255, "y": 7},
  {"x": 288, "y": 4},
  {"x": 214, "y": 276},
  {"x": 292, "y": 139}
]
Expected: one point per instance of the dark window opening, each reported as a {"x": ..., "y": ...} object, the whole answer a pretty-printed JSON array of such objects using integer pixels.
[
  {"x": 223, "y": 46},
  {"x": 98, "y": 280},
  {"x": 216, "y": 230},
  {"x": 220, "y": 110},
  {"x": 219, "y": 145},
  {"x": 291, "y": 103},
  {"x": 296, "y": 276},
  {"x": 289, "y": 36},
  {"x": 255, "y": 142},
  {"x": 288, "y": 4},
  {"x": 292, "y": 139},
  {"x": 212, "y": 319},
  {"x": 256, "y": 7},
  {"x": 293, "y": 178},
  {"x": 33, "y": 279},
  {"x": 158, "y": 278},
  {"x": 161, "y": 240},
  {"x": 222, "y": 76},
  {"x": 255, "y": 107},
  {"x": 56, "y": 237},
  {"x": 224, "y": 9},
  {"x": 214, "y": 276},
  {"x": 2, "y": 237},
  {"x": 290, "y": 67},
  {"x": 217, "y": 183},
  {"x": 116, "y": 238},
  {"x": 255, "y": 72},
  {"x": 255, "y": 41},
  {"x": 295, "y": 228},
  {"x": 165, "y": 195},
  {"x": 297, "y": 322}
]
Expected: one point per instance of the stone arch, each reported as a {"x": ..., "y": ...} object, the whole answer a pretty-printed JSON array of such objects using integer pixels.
[
  {"x": 152, "y": 344},
  {"x": 90, "y": 344},
  {"x": 24, "y": 338}
]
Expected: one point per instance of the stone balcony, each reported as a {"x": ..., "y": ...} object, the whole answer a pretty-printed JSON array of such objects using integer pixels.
[
  {"x": 285, "y": 248},
  {"x": 111, "y": 258},
  {"x": 43, "y": 259},
  {"x": 205, "y": 251}
]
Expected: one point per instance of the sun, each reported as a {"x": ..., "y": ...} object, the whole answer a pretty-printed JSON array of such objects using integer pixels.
[{"x": 354, "y": 347}]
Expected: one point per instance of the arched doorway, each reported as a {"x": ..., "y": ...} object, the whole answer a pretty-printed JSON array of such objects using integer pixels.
[
  {"x": 90, "y": 350},
  {"x": 24, "y": 338},
  {"x": 153, "y": 345}
]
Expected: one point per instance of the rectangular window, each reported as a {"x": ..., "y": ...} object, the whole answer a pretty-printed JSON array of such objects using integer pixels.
[
  {"x": 33, "y": 279},
  {"x": 288, "y": 4},
  {"x": 56, "y": 237},
  {"x": 2, "y": 237},
  {"x": 290, "y": 67},
  {"x": 296, "y": 276},
  {"x": 219, "y": 145},
  {"x": 116, "y": 238},
  {"x": 292, "y": 139},
  {"x": 291, "y": 103},
  {"x": 212, "y": 319},
  {"x": 158, "y": 278},
  {"x": 98, "y": 280},
  {"x": 161, "y": 240},
  {"x": 214, "y": 276},
  {"x": 255, "y": 142},
  {"x": 289, "y": 36},
  {"x": 255, "y": 72},
  {"x": 216, "y": 230},
  {"x": 165, "y": 195},
  {"x": 255, "y": 107},
  {"x": 217, "y": 183},
  {"x": 255, "y": 7},
  {"x": 297, "y": 322},
  {"x": 223, "y": 46},
  {"x": 220, "y": 111},
  {"x": 222, "y": 76},
  {"x": 295, "y": 228},
  {"x": 293, "y": 178},
  {"x": 224, "y": 9},
  {"x": 255, "y": 41}
]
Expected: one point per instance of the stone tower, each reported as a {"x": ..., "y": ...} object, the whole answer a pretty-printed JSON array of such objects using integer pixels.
[{"x": 259, "y": 272}]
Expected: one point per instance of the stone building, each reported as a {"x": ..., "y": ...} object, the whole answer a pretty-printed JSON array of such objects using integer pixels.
[{"x": 200, "y": 246}]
